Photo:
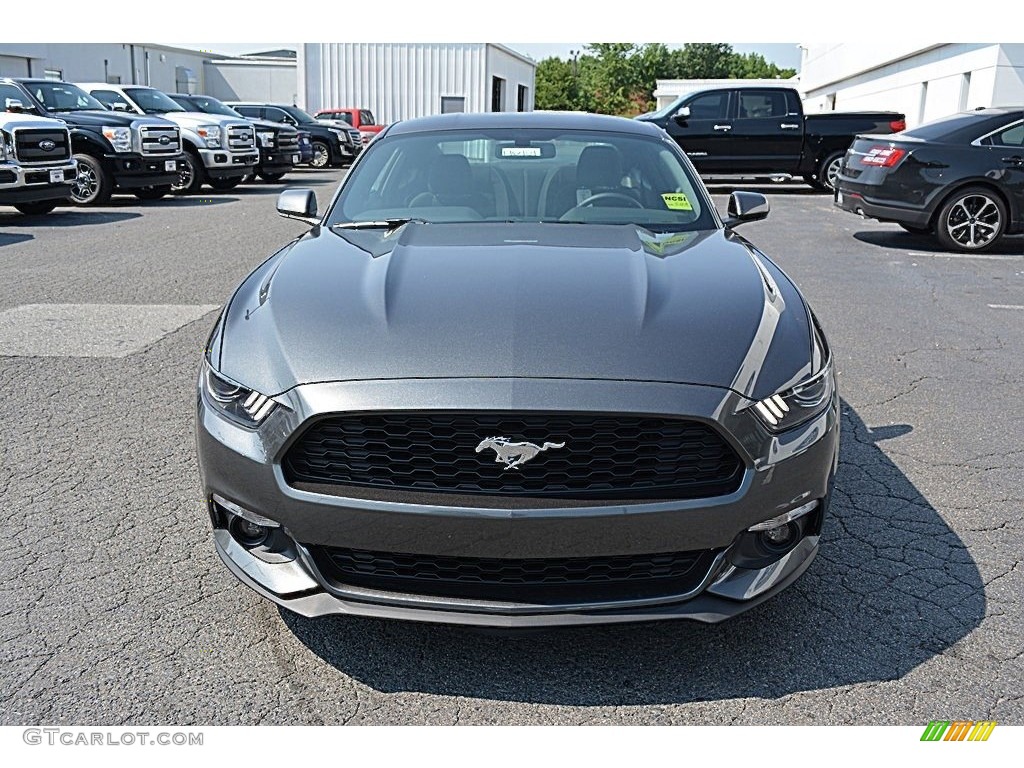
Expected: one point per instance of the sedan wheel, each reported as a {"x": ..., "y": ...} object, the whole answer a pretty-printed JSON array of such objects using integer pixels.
[
  {"x": 972, "y": 220},
  {"x": 321, "y": 155}
]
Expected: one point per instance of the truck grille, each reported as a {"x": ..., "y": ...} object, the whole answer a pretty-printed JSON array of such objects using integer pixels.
[
  {"x": 160, "y": 140},
  {"x": 355, "y": 137},
  {"x": 534, "y": 580},
  {"x": 605, "y": 456},
  {"x": 241, "y": 138},
  {"x": 39, "y": 146},
  {"x": 287, "y": 141}
]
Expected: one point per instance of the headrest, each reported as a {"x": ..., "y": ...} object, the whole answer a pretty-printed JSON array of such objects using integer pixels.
[{"x": 599, "y": 167}]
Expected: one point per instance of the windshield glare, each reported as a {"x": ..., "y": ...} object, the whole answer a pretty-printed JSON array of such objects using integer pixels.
[
  {"x": 64, "y": 97},
  {"x": 524, "y": 175},
  {"x": 152, "y": 102}
]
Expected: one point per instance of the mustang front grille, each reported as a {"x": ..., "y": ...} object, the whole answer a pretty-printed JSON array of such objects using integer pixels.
[
  {"x": 577, "y": 456},
  {"x": 535, "y": 580}
]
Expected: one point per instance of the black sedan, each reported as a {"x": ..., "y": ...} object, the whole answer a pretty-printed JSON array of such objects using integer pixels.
[
  {"x": 960, "y": 178},
  {"x": 520, "y": 373}
]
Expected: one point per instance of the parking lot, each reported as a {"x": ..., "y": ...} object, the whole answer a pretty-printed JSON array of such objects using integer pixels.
[{"x": 115, "y": 608}]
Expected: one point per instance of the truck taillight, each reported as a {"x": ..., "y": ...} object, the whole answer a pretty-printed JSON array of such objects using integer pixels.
[
  {"x": 898, "y": 125},
  {"x": 884, "y": 157}
]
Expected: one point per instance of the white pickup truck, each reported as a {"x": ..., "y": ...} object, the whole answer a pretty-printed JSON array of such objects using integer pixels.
[{"x": 36, "y": 167}]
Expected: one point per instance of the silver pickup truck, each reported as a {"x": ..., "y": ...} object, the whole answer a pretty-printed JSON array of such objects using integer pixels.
[
  {"x": 218, "y": 151},
  {"x": 36, "y": 167}
]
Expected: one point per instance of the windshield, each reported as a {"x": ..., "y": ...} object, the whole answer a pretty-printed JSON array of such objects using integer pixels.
[
  {"x": 152, "y": 102},
  {"x": 206, "y": 104},
  {"x": 64, "y": 97},
  {"x": 302, "y": 118},
  {"x": 524, "y": 175}
]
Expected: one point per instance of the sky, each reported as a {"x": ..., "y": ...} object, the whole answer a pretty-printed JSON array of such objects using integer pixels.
[{"x": 783, "y": 54}]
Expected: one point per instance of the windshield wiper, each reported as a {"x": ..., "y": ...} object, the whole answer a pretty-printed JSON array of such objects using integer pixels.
[{"x": 382, "y": 224}]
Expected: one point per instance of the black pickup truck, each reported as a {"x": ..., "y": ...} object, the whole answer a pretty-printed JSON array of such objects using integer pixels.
[{"x": 763, "y": 131}]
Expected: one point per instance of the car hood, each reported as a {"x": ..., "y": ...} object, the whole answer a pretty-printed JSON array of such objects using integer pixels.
[
  {"x": 517, "y": 300},
  {"x": 106, "y": 117}
]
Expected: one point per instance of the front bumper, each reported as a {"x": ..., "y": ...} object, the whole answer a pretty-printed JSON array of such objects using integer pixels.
[
  {"x": 278, "y": 161},
  {"x": 222, "y": 164},
  {"x": 134, "y": 171},
  {"x": 29, "y": 184},
  {"x": 859, "y": 199},
  {"x": 782, "y": 472}
]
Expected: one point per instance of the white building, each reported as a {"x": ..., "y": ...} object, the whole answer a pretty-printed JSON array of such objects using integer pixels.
[
  {"x": 398, "y": 81},
  {"x": 667, "y": 91},
  {"x": 923, "y": 82},
  {"x": 164, "y": 67}
]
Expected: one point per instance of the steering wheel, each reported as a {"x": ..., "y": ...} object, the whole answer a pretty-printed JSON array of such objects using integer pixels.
[{"x": 608, "y": 196}]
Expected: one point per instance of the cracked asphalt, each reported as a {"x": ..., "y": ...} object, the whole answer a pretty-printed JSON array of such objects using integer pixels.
[{"x": 114, "y": 608}]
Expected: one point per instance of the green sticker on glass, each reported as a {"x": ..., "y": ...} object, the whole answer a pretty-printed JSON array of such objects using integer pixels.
[{"x": 676, "y": 201}]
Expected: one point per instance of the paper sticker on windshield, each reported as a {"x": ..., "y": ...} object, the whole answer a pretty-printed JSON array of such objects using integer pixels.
[
  {"x": 520, "y": 152},
  {"x": 676, "y": 201}
]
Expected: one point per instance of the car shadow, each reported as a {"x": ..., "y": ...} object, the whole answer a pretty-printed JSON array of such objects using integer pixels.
[
  {"x": 892, "y": 587},
  {"x": 719, "y": 188},
  {"x": 902, "y": 240},
  {"x": 13, "y": 239},
  {"x": 68, "y": 217}
]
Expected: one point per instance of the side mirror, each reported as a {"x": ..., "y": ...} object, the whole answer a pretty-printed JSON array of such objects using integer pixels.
[
  {"x": 682, "y": 114},
  {"x": 746, "y": 206},
  {"x": 288, "y": 120},
  {"x": 120, "y": 106},
  {"x": 13, "y": 105},
  {"x": 299, "y": 204}
]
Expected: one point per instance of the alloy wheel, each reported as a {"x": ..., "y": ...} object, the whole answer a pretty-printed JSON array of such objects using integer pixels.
[
  {"x": 974, "y": 221},
  {"x": 832, "y": 172},
  {"x": 87, "y": 184},
  {"x": 186, "y": 175},
  {"x": 321, "y": 155}
]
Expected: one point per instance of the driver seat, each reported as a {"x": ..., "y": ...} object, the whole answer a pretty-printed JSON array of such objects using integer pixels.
[{"x": 598, "y": 169}]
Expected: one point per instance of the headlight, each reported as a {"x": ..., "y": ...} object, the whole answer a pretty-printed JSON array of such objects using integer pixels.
[
  {"x": 210, "y": 134},
  {"x": 788, "y": 409},
  {"x": 244, "y": 405},
  {"x": 266, "y": 138},
  {"x": 3, "y": 146},
  {"x": 341, "y": 135},
  {"x": 120, "y": 137}
]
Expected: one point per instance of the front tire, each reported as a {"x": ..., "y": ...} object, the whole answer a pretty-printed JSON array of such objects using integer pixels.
[
  {"x": 223, "y": 185},
  {"x": 191, "y": 174},
  {"x": 152, "y": 193},
  {"x": 321, "y": 155},
  {"x": 37, "y": 208},
  {"x": 971, "y": 220},
  {"x": 93, "y": 185}
]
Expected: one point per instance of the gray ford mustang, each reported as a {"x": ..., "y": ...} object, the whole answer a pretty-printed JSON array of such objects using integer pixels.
[{"x": 520, "y": 373}]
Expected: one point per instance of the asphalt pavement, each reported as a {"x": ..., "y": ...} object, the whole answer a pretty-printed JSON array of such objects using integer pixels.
[{"x": 114, "y": 608}]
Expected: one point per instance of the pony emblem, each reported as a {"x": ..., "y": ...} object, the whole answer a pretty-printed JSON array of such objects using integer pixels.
[{"x": 514, "y": 454}]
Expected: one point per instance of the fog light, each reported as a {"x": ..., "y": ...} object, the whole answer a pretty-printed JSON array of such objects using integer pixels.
[
  {"x": 248, "y": 534},
  {"x": 245, "y": 514},
  {"x": 781, "y": 536}
]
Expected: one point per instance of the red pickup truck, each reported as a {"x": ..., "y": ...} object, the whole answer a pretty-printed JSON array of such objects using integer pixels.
[{"x": 360, "y": 119}]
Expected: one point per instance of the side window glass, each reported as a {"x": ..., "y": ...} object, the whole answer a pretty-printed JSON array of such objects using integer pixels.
[
  {"x": 711, "y": 106},
  {"x": 1011, "y": 137},
  {"x": 762, "y": 104}
]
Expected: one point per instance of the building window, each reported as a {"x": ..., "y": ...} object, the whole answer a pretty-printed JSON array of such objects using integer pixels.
[
  {"x": 521, "y": 98},
  {"x": 497, "y": 94},
  {"x": 453, "y": 104},
  {"x": 53, "y": 74}
]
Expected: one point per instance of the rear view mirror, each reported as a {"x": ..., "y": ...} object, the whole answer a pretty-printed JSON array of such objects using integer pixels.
[
  {"x": 746, "y": 206},
  {"x": 299, "y": 204},
  {"x": 534, "y": 149}
]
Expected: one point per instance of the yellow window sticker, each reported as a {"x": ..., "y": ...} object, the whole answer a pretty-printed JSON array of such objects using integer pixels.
[{"x": 676, "y": 201}]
